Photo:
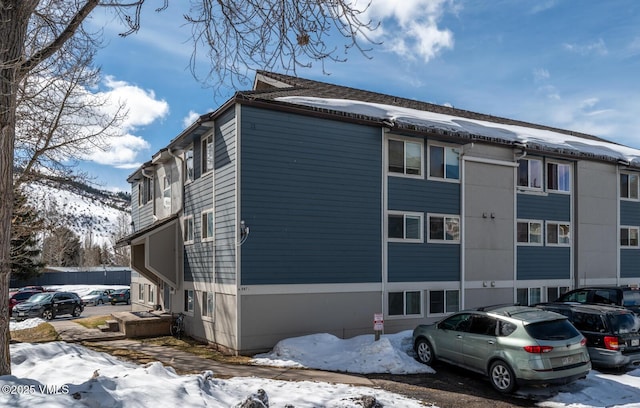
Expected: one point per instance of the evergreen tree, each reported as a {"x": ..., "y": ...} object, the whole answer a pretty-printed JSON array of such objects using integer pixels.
[
  {"x": 26, "y": 223},
  {"x": 62, "y": 248}
]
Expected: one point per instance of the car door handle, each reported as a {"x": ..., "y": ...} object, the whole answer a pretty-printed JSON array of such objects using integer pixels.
[
  {"x": 459, "y": 336},
  {"x": 491, "y": 342}
]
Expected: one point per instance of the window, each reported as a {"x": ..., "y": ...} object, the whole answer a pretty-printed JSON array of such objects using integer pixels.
[
  {"x": 443, "y": 301},
  {"x": 444, "y": 228},
  {"x": 553, "y": 293},
  {"x": 188, "y": 165},
  {"x": 187, "y": 229},
  {"x": 530, "y": 173},
  {"x": 558, "y": 234},
  {"x": 528, "y": 296},
  {"x": 405, "y": 157},
  {"x": 405, "y": 227},
  {"x": 152, "y": 296},
  {"x": 444, "y": 162},
  {"x": 404, "y": 303},
  {"x": 629, "y": 186},
  {"x": 558, "y": 177},
  {"x": 207, "y": 154},
  {"x": 166, "y": 192},
  {"x": 207, "y": 304},
  {"x": 145, "y": 192},
  {"x": 140, "y": 292},
  {"x": 629, "y": 237},
  {"x": 207, "y": 225},
  {"x": 188, "y": 300},
  {"x": 529, "y": 232}
]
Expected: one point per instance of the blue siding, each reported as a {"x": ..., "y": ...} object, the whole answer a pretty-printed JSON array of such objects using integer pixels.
[
  {"x": 629, "y": 213},
  {"x": 407, "y": 194},
  {"x": 555, "y": 207},
  {"x": 225, "y": 198},
  {"x": 543, "y": 262},
  {"x": 423, "y": 262},
  {"x": 630, "y": 263},
  {"x": 311, "y": 194},
  {"x": 413, "y": 262}
]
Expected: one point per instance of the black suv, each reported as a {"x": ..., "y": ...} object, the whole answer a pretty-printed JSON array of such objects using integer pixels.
[
  {"x": 48, "y": 305},
  {"x": 612, "y": 333},
  {"x": 625, "y": 296}
]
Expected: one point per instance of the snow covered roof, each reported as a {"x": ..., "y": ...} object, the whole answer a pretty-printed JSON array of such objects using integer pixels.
[{"x": 422, "y": 117}]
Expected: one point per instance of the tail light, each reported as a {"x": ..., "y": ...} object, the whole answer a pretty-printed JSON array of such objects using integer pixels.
[
  {"x": 611, "y": 343},
  {"x": 538, "y": 349},
  {"x": 583, "y": 342}
]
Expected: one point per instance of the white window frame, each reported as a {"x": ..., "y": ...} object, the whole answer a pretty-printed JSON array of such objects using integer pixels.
[
  {"x": 529, "y": 178},
  {"x": 445, "y": 293},
  {"x": 189, "y": 165},
  {"x": 558, "y": 235},
  {"x": 406, "y": 214},
  {"x": 404, "y": 145},
  {"x": 628, "y": 192},
  {"x": 629, "y": 228},
  {"x": 189, "y": 306},
  {"x": 531, "y": 290},
  {"x": 558, "y": 164},
  {"x": 404, "y": 303},
  {"x": 560, "y": 290},
  {"x": 204, "y": 218},
  {"x": 444, "y": 148},
  {"x": 207, "y": 313},
  {"x": 529, "y": 222},
  {"x": 188, "y": 227},
  {"x": 166, "y": 191},
  {"x": 140, "y": 292},
  {"x": 207, "y": 152},
  {"x": 444, "y": 217},
  {"x": 151, "y": 295}
]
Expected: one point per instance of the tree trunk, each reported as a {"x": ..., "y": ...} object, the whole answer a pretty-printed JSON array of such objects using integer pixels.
[{"x": 14, "y": 15}]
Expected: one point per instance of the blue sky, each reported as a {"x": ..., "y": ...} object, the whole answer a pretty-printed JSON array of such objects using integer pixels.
[{"x": 565, "y": 63}]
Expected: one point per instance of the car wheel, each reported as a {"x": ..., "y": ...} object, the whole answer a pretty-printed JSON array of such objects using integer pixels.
[
  {"x": 502, "y": 377},
  {"x": 47, "y": 314},
  {"x": 99, "y": 302},
  {"x": 129, "y": 301},
  {"x": 76, "y": 311},
  {"x": 425, "y": 352}
]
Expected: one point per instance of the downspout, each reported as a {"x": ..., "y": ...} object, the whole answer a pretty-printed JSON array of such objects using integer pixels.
[
  {"x": 515, "y": 220},
  {"x": 463, "y": 228}
]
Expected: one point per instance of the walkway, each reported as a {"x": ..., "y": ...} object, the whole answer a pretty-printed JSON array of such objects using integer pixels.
[{"x": 190, "y": 363}]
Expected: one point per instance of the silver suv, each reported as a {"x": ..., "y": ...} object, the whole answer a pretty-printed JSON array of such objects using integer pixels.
[{"x": 512, "y": 345}]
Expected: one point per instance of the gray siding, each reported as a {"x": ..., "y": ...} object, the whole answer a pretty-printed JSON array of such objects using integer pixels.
[
  {"x": 225, "y": 198},
  {"x": 311, "y": 194}
]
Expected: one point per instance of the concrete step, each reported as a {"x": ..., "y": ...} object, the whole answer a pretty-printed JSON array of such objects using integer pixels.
[{"x": 110, "y": 326}]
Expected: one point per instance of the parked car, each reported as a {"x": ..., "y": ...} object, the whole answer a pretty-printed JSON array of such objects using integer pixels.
[
  {"x": 48, "y": 305},
  {"x": 512, "y": 345},
  {"x": 19, "y": 297},
  {"x": 612, "y": 333},
  {"x": 96, "y": 297},
  {"x": 120, "y": 296},
  {"x": 38, "y": 288},
  {"x": 625, "y": 296}
]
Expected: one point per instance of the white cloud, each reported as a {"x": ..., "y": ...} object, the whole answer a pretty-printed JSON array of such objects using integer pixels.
[
  {"x": 143, "y": 106},
  {"x": 595, "y": 48},
  {"x": 540, "y": 74},
  {"x": 190, "y": 118},
  {"x": 122, "y": 152},
  {"x": 410, "y": 27}
]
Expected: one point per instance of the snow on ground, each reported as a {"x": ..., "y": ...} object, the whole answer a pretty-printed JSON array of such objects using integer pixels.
[{"x": 59, "y": 374}]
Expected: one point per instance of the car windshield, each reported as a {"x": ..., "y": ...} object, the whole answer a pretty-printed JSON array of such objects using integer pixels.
[
  {"x": 631, "y": 298},
  {"x": 624, "y": 323},
  {"x": 120, "y": 291},
  {"x": 39, "y": 297},
  {"x": 559, "y": 329},
  {"x": 95, "y": 292}
]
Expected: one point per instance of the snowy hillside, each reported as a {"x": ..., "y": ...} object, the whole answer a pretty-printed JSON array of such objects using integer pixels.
[{"x": 86, "y": 211}]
